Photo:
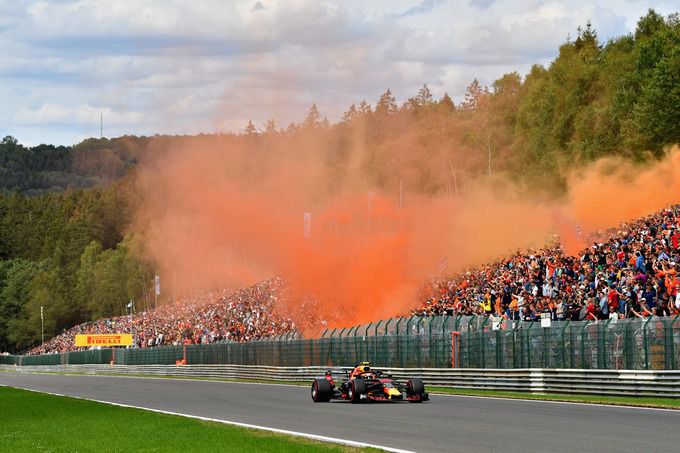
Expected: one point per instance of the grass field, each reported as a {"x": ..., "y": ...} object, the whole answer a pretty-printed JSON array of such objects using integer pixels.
[
  {"x": 665, "y": 403},
  {"x": 37, "y": 422}
]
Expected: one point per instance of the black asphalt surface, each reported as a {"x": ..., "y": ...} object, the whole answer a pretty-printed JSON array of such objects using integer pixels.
[{"x": 445, "y": 424}]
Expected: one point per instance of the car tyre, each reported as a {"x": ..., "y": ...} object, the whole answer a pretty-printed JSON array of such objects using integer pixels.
[
  {"x": 415, "y": 388},
  {"x": 321, "y": 391},
  {"x": 357, "y": 388}
]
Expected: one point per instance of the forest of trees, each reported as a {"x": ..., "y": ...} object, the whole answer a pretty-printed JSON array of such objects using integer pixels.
[{"x": 65, "y": 211}]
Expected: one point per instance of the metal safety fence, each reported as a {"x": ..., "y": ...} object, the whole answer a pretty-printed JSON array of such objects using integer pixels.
[
  {"x": 425, "y": 342},
  {"x": 396, "y": 351},
  {"x": 536, "y": 380},
  {"x": 636, "y": 344}
]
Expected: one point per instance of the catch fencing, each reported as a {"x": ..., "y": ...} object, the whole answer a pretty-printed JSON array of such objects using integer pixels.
[
  {"x": 635, "y": 344},
  {"x": 426, "y": 342}
]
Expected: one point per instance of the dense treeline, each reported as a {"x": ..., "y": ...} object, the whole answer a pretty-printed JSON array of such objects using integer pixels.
[
  {"x": 64, "y": 252},
  {"x": 620, "y": 98},
  {"x": 49, "y": 168},
  {"x": 64, "y": 248}
]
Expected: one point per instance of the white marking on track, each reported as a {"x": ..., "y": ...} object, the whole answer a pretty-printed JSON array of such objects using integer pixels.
[{"x": 318, "y": 437}]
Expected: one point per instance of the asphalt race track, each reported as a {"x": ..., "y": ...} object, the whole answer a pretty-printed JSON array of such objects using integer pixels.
[{"x": 446, "y": 423}]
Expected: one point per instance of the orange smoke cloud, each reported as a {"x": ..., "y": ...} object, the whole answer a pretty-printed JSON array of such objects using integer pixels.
[
  {"x": 613, "y": 190},
  {"x": 222, "y": 212}
]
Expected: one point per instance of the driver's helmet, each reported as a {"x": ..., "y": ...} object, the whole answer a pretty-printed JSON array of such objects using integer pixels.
[{"x": 363, "y": 369}]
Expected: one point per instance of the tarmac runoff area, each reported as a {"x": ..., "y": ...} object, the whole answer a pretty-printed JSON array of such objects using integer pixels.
[{"x": 445, "y": 424}]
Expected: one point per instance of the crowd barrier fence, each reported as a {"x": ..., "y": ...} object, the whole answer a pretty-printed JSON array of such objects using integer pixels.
[{"x": 425, "y": 342}]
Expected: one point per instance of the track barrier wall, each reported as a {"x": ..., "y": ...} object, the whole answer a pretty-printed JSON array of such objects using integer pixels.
[
  {"x": 534, "y": 380},
  {"x": 425, "y": 342}
]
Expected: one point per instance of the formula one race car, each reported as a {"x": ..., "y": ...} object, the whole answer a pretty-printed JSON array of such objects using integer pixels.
[{"x": 366, "y": 384}]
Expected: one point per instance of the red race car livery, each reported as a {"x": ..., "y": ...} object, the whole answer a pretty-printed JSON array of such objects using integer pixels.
[{"x": 366, "y": 384}]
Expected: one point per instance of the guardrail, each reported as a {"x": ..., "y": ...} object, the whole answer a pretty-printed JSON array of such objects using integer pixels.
[{"x": 535, "y": 380}]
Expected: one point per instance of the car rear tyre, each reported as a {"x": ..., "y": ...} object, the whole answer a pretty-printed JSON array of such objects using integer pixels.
[
  {"x": 357, "y": 388},
  {"x": 321, "y": 391}
]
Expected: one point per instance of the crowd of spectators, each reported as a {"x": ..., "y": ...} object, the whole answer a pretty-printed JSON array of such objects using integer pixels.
[
  {"x": 247, "y": 314},
  {"x": 627, "y": 272}
]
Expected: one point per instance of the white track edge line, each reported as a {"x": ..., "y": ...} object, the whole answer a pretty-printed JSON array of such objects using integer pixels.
[{"x": 336, "y": 440}]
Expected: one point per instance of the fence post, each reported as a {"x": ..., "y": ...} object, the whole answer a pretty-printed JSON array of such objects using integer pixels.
[
  {"x": 627, "y": 346},
  {"x": 545, "y": 346},
  {"x": 375, "y": 331},
  {"x": 603, "y": 330},
  {"x": 387, "y": 324},
  {"x": 408, "y": 326},
  {"x": 386, "y": 339},
  {"x": 408, "y": 346},
  {"x": 515, "y": 358},
  {"x": 583, "y": 345},
  {"x": 528, "y": 343},
  {"x": 420, "y": 341},
  {"x": 469, "y": 342},
  {"x": 455, "y": 343},
  {"x": 499, "y": 353},
  {"x": 645, "y": 340},
  {"x": 431, "y": 362},
  {"x": 564, "y": 344},
  {"x": 482, "y": 341},
  {"x": 442, "y": 342}
]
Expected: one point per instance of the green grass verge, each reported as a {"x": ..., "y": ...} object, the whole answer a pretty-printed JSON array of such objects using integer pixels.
[
  {"x": 666, "y": 403},
  {"x": 33, "y": 422}
]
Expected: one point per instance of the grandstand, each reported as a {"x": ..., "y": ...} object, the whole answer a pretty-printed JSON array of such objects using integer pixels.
[
  {"x": 247, "y": 314},
  {"x": 627, "y": 272}
]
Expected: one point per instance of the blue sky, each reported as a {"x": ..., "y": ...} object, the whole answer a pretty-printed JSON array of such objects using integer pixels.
[{"x": 178, "y": 67}]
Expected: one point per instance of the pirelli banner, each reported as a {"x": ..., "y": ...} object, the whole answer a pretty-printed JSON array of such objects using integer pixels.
[{"x": 116, "y": 339}]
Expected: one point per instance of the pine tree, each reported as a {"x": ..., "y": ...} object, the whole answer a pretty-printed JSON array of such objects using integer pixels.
[
  {"x": 475, "y": 96},
  {"x": 250, "y": 128},
  {"x": 446, "y": 103},
  {"x": 350, "y": 115},
  {"x": 386, "y": 104},
  {"x": 314, "y": 119}
]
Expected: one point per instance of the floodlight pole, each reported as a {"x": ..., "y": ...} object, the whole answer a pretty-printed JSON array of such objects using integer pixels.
[{"x": 42, "y": 327}]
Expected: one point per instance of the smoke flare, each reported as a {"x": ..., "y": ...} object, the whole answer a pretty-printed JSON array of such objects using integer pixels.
[{"x": 229, "y": 211}]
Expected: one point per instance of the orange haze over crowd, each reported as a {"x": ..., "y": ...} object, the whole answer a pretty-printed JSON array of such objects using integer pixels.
[{"x": 222, "y": 212}]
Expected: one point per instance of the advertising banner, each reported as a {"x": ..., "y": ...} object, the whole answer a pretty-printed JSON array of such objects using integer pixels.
[{"x": 115, "y": 339}]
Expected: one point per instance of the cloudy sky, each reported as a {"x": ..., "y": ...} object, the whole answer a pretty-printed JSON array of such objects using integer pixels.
[{"x": 184, "y": 67}]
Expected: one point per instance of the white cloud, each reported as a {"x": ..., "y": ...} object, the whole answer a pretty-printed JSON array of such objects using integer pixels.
[
  {"x": 171, "y": 66},
  {"x": 52, "y": 114}
]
